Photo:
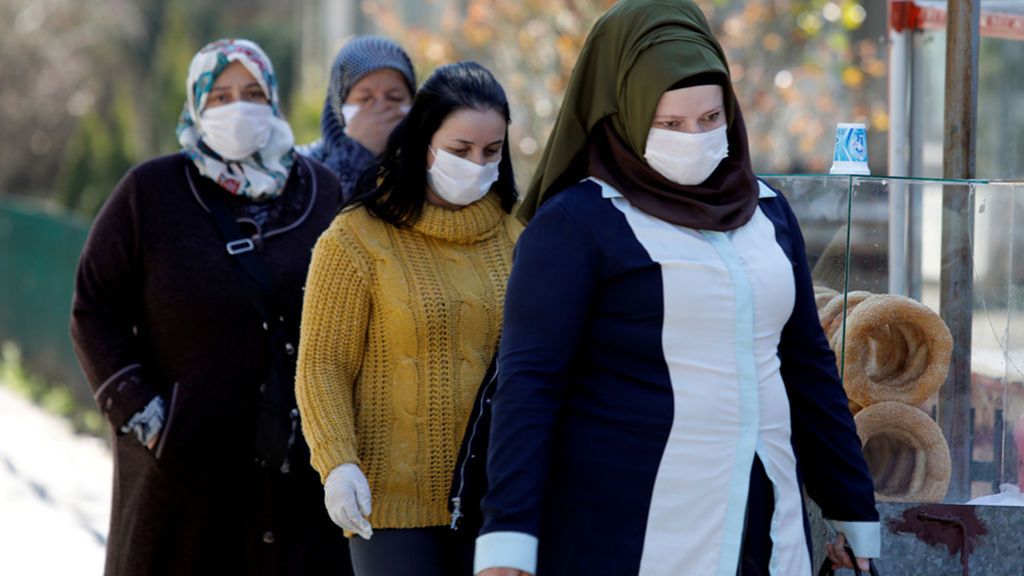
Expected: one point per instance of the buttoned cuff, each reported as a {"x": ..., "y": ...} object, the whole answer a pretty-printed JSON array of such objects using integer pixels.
[
  {"x": 123, "y": 394},
  {"x": 865, "y": 538},
  {"x": 516, "y": 550}
]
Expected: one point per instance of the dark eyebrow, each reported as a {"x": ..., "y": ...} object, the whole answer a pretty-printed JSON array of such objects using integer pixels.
[
  {"x": 470, "y": 143},
  {"x": 246, "y": 87},
  {"x": 715, "y": 109}
]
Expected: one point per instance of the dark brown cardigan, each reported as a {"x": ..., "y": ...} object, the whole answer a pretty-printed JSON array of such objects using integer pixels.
[{"x": 159, "y": 310}]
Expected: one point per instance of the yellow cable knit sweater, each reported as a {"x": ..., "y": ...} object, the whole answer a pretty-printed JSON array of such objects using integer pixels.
[{"x": 398, "y": 328}]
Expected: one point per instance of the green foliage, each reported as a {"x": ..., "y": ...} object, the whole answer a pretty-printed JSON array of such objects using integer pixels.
[
  {"x": 76, "y": 178},
  {"x": 304, "y": 115},
  {"x": 138, "y": 80},
  {"x": 101, "y": 150},
  {"x": 173, "y": 51},
  {"x": 53, "y": 397}
]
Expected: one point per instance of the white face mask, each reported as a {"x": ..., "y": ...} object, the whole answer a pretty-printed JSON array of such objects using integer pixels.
[
  {"x": 349, "y": 111},
  {"x": 237, "y": 130},
  {"x": 458, "y": 180},
  {"x": 684, "y": 158}
]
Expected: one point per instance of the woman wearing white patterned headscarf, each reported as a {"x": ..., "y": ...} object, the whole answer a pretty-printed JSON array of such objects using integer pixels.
[
  {"x": 190, "y": 367},
  {"x": 244, "y": 145},
  {"x": 371, "y": 88}
]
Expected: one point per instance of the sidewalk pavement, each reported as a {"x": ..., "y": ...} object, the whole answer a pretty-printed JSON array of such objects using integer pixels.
[{"x": 54, "y": 494}]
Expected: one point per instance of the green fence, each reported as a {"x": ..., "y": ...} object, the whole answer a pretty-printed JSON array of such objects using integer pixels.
[{"x": 39, "y": 251}]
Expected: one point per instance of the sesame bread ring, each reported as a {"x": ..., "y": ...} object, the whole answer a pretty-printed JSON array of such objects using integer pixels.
[
  {"x": 831, "y": 315},
  {"x": 906, "y": 454},
  {"x": 896, "y": 349},
  {"x": 823, "y": 295}
]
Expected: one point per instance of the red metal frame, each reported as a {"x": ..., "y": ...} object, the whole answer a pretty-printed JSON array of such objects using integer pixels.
[{"x": 914, "y": 16}]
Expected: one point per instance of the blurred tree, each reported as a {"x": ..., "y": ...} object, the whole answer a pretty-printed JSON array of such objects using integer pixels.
[
  {"x": 51, "y": 81},
  {"x": 101, "y": 150},
  {"x": 172, "y": 52},
  {"x": 801, "y": 66},
  {"x": 531, "y": 46},
  {"x": 77, "y": 173},
  {"x": 91, "y": 87},
  {"x": 798, "y": 66}
]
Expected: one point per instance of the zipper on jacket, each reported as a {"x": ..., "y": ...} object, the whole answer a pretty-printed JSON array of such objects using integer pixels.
[
  {"x": 457, "y": 500},
  {"x": 456, "y": 510}
]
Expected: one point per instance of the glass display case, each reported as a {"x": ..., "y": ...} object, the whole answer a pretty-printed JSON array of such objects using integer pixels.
[{"x": 920, "y": 290}]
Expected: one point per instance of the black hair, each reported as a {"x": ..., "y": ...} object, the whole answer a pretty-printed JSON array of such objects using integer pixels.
[
  {"x": 394, "y": 187},
  {"x": 702, "y": 79}
]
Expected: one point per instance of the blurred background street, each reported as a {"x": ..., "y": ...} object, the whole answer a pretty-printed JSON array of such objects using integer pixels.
[{"x": 54, "y": 493}]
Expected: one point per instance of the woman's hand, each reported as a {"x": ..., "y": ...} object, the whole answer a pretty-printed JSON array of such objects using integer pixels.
[
  {"x": 503, "y": 572},
  {"x": 840, "y": 559},
  {"x": 373, "y": 124},
  {"x": 347, "y": 499}
]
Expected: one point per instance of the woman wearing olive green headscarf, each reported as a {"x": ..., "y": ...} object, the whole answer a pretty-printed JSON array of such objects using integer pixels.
[{"x": 665, "y": 390}]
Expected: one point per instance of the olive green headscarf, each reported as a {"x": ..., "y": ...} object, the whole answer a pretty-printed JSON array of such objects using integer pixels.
[{"x": 635, "y": 52}]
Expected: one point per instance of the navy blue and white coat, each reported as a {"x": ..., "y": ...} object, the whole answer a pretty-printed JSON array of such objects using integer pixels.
[{"x": 664, "y": 393}]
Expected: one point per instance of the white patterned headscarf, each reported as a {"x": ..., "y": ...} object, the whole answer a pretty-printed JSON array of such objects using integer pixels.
[{"x": 262, "y": 175}]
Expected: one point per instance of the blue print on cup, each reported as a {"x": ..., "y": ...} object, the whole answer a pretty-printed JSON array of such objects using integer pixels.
[
  {"x": 851, "y": 143},
  {"x": 851, "y": 151}
]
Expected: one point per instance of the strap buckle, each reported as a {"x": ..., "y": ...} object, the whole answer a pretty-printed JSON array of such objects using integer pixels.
[{"x": 242, "y": 246}]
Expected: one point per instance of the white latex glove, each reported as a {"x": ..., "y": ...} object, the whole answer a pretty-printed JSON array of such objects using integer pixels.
[{"x": 347, "y": 498}]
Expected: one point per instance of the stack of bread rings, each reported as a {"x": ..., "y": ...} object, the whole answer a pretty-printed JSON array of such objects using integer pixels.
[{"x": 895, "y": 354}]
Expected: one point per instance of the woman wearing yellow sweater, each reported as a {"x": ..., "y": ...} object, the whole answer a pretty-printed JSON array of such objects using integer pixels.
[{"x": 402, "y": 313}]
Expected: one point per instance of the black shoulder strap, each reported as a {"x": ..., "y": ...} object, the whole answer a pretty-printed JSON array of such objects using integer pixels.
[
  {"x": 277, "y": 421},
  {"x": 242, "y": 250}
]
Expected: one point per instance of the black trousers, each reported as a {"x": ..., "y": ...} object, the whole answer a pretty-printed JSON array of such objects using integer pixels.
[{"x": 435, "y": 551}]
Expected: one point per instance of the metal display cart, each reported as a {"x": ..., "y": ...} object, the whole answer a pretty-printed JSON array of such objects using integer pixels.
[{"x": 951, "y": 502}]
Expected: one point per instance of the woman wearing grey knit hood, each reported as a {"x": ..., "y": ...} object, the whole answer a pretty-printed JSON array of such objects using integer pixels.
[{"x": 371, "y": 88}]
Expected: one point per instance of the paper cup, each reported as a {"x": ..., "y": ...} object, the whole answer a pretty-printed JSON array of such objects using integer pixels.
[{"x": 850, "y": 155}]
